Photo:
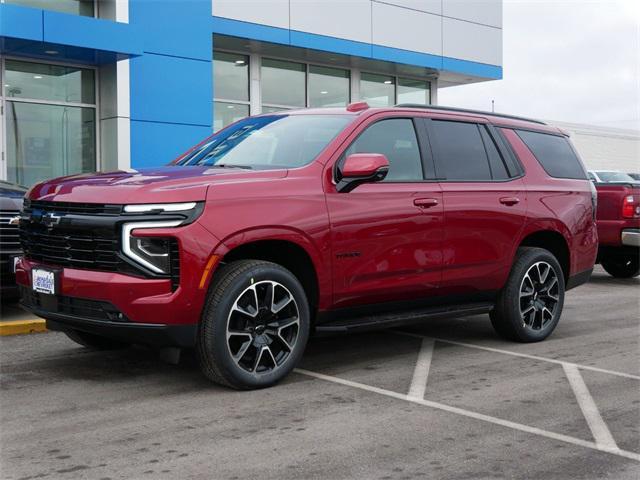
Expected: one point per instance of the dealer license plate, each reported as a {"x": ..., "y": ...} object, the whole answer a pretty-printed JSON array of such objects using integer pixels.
[{"x": 44, "y": 281}]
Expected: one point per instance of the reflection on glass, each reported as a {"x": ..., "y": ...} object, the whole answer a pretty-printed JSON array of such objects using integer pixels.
[
  {"x": 377, "y": 90},
  {"x": 230, "y": 76},
  {"x": 45, "y": 141},
  {"x": 328, "y": 87},
  {"x": 49, "y": 82},
  {"x": 226, "y": 113},
  {"x": 75, "y": 7},
  {"x": 283, "y": 83},
  {"x": 413, "y": 91},
  {"x": 266, "y": 109}
]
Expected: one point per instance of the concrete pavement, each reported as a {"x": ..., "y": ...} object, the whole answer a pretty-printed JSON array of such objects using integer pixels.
[{"x": 462, "y": 404}]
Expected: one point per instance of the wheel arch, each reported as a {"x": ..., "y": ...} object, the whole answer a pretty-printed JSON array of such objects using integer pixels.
[
  {"x": 290, "y": 249},
  {"x": 554, "y": 242}
]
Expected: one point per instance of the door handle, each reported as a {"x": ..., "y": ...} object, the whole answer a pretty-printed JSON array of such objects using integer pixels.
[
  {"x": 425, "y": 202},
  {"x": 509, "y": 201}
]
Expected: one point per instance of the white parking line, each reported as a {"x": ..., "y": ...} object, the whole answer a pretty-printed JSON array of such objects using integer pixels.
[
  {"x": 421, "y": 371},
  {"x": 470, "y": 414},
  {"x": 599, "y": 429},
  {"x": 518, "y": 354}
]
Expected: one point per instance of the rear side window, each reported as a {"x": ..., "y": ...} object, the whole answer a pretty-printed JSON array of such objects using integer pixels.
[
  {"x": 554, "y": 154},
  {"x": 460, "y": 151},
  {"x": 396, "y": 139}
]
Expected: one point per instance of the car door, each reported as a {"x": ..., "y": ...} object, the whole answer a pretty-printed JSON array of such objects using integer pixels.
[
  {"x": 484, "y": 204},
  {"x": 387, "y": 236}
]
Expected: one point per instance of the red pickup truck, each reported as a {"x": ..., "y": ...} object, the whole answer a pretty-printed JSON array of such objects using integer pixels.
[
  {"x": 314, "y": 220},
  {"x": 618, "y": 220}
]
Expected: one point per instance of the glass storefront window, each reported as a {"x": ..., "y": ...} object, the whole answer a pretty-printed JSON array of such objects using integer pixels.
[
  {"x": 45, "y": 141},
  {"x": 328, "y": 87},
  {"x": 53, "y": 83},
  {"x": 75, "y": 7},
  {"x": 230, "y": 76},
  {"x": 225, "y": 113},
  {"x": 377, "y": 90},
  {"x": 283, "y": 83},
  {"x": 413, "y": 91}
]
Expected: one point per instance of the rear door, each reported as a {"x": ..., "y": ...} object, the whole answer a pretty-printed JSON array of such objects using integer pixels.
[
  {"x": 484, "y": 204},
  {"x": 387, "y": 236}
]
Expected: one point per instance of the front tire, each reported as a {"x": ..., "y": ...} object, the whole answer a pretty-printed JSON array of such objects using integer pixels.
[
  {"x": 623, "y": 266},
  {"x": 254, "y": 327},
  {"x": 530, "y": 304}
]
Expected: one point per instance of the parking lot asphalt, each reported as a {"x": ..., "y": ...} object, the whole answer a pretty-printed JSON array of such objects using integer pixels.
[{"x": 444, "y": 400}]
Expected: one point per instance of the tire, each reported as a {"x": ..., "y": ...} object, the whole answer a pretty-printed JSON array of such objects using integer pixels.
[
  {"x": 95, "y": 342},
  {"x": 254, "y": 326},
  {"x": 532, "y": 316},
  {"x": 623, "y": 266}
]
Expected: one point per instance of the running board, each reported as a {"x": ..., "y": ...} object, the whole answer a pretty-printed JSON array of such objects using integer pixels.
[{"x": 387, "y": 320}]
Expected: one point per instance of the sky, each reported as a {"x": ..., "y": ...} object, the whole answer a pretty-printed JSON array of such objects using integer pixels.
[{"x": 566, "y": 60}]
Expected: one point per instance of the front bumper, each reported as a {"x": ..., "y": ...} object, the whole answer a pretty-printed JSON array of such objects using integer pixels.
[
  {"x": 631, "y": 237},
  {"x": 147, "y": 305},
  {"x": 101, "y": 318}
]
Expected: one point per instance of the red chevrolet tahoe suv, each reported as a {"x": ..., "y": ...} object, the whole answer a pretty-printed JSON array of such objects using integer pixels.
[{"x": 330, "y": 220}]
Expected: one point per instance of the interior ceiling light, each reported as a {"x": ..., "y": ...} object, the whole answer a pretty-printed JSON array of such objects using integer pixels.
[{"x": 51, "y": 52}]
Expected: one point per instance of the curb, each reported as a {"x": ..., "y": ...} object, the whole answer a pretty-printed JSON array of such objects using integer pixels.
[{"x": 19, "y": 327}]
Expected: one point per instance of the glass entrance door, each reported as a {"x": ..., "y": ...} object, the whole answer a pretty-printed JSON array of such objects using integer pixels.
[{"x": 49, "y": 121}]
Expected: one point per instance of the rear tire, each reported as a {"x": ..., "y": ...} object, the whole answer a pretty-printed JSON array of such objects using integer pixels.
[
  {"x": 95, "y": 342},
  {"x": 530, "y": 304},
  {"x": 624, "y": 266},
  {"x": 254, "y": 327}
]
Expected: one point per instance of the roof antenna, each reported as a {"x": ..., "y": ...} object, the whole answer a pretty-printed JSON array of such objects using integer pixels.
[{"x": 493, "y": 106}]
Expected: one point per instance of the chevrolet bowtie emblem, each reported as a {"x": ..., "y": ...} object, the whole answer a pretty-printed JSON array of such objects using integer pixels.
[
  {"x": 50, "y": 219},
  {"x": 14, "y": 220}
]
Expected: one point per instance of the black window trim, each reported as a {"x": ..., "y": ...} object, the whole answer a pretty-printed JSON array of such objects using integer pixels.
[
  {"x": 514, "y": 171},
  {"x": 421, "y": 150}
]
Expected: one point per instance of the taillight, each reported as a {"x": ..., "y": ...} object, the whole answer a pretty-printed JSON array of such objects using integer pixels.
[{"x": 629, "y": 208}]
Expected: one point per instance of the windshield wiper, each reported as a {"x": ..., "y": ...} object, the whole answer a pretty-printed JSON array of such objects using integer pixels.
[{"x": 231, "y": 165}]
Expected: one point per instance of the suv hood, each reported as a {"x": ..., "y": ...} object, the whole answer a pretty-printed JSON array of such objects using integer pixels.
[{"x": 153, "y": 185}]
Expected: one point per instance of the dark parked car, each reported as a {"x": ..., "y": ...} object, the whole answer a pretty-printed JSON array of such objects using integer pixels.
[
  {"x": 11, "y": 197},
  {"x": 330, "y": 220}
]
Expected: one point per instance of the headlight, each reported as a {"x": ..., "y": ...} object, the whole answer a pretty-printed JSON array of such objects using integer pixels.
[
  {"x": 151, "y": 252},
  {"x": 159, "y": 207}
]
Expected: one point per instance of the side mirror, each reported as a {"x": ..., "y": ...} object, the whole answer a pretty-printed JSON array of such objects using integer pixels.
[{"x": 362, "y": 168}]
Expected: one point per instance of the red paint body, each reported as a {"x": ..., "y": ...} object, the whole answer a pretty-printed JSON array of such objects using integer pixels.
[
  {"x": 610, "y": 219},
  {"x": 411, "y": 240}
]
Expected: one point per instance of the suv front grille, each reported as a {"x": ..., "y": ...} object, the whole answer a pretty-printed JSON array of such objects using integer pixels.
[
  {"x": 9, "y": 238},
  {"x": 75, "y": 208},
  {"x": 86, "y": 241},
  {"x": 77, "y": 250}
]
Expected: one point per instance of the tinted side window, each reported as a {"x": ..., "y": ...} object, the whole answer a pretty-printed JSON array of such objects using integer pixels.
[
  {"x": 498, "y": 168},
  {"x": 554, "y": 154},
  {"x": 460, "y": 152},
  {"x": 395, "y": 138}
]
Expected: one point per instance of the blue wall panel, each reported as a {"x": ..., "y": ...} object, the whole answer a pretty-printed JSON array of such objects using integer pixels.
[
  {"x": 172, "y": 83},
  {"x": 93, "y": 33},
  {"x": 20, "y": 22},
  {"x": 154, "y": 144},
  {"x": 171, "y": 89}
]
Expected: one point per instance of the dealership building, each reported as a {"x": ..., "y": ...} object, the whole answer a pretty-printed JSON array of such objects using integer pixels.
[{"x": 104, "y": 84}]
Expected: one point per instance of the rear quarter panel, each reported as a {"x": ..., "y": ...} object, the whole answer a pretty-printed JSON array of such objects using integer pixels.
[{"x": 560, "y": 205}]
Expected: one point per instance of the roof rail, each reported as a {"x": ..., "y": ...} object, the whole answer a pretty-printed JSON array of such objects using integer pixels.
[{"x": 466, "y": 110}]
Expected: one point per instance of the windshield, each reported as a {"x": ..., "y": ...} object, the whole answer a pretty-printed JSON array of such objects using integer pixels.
[
  {"x": 267, "y": 142},
  {"x": 614, "y": 177}
]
